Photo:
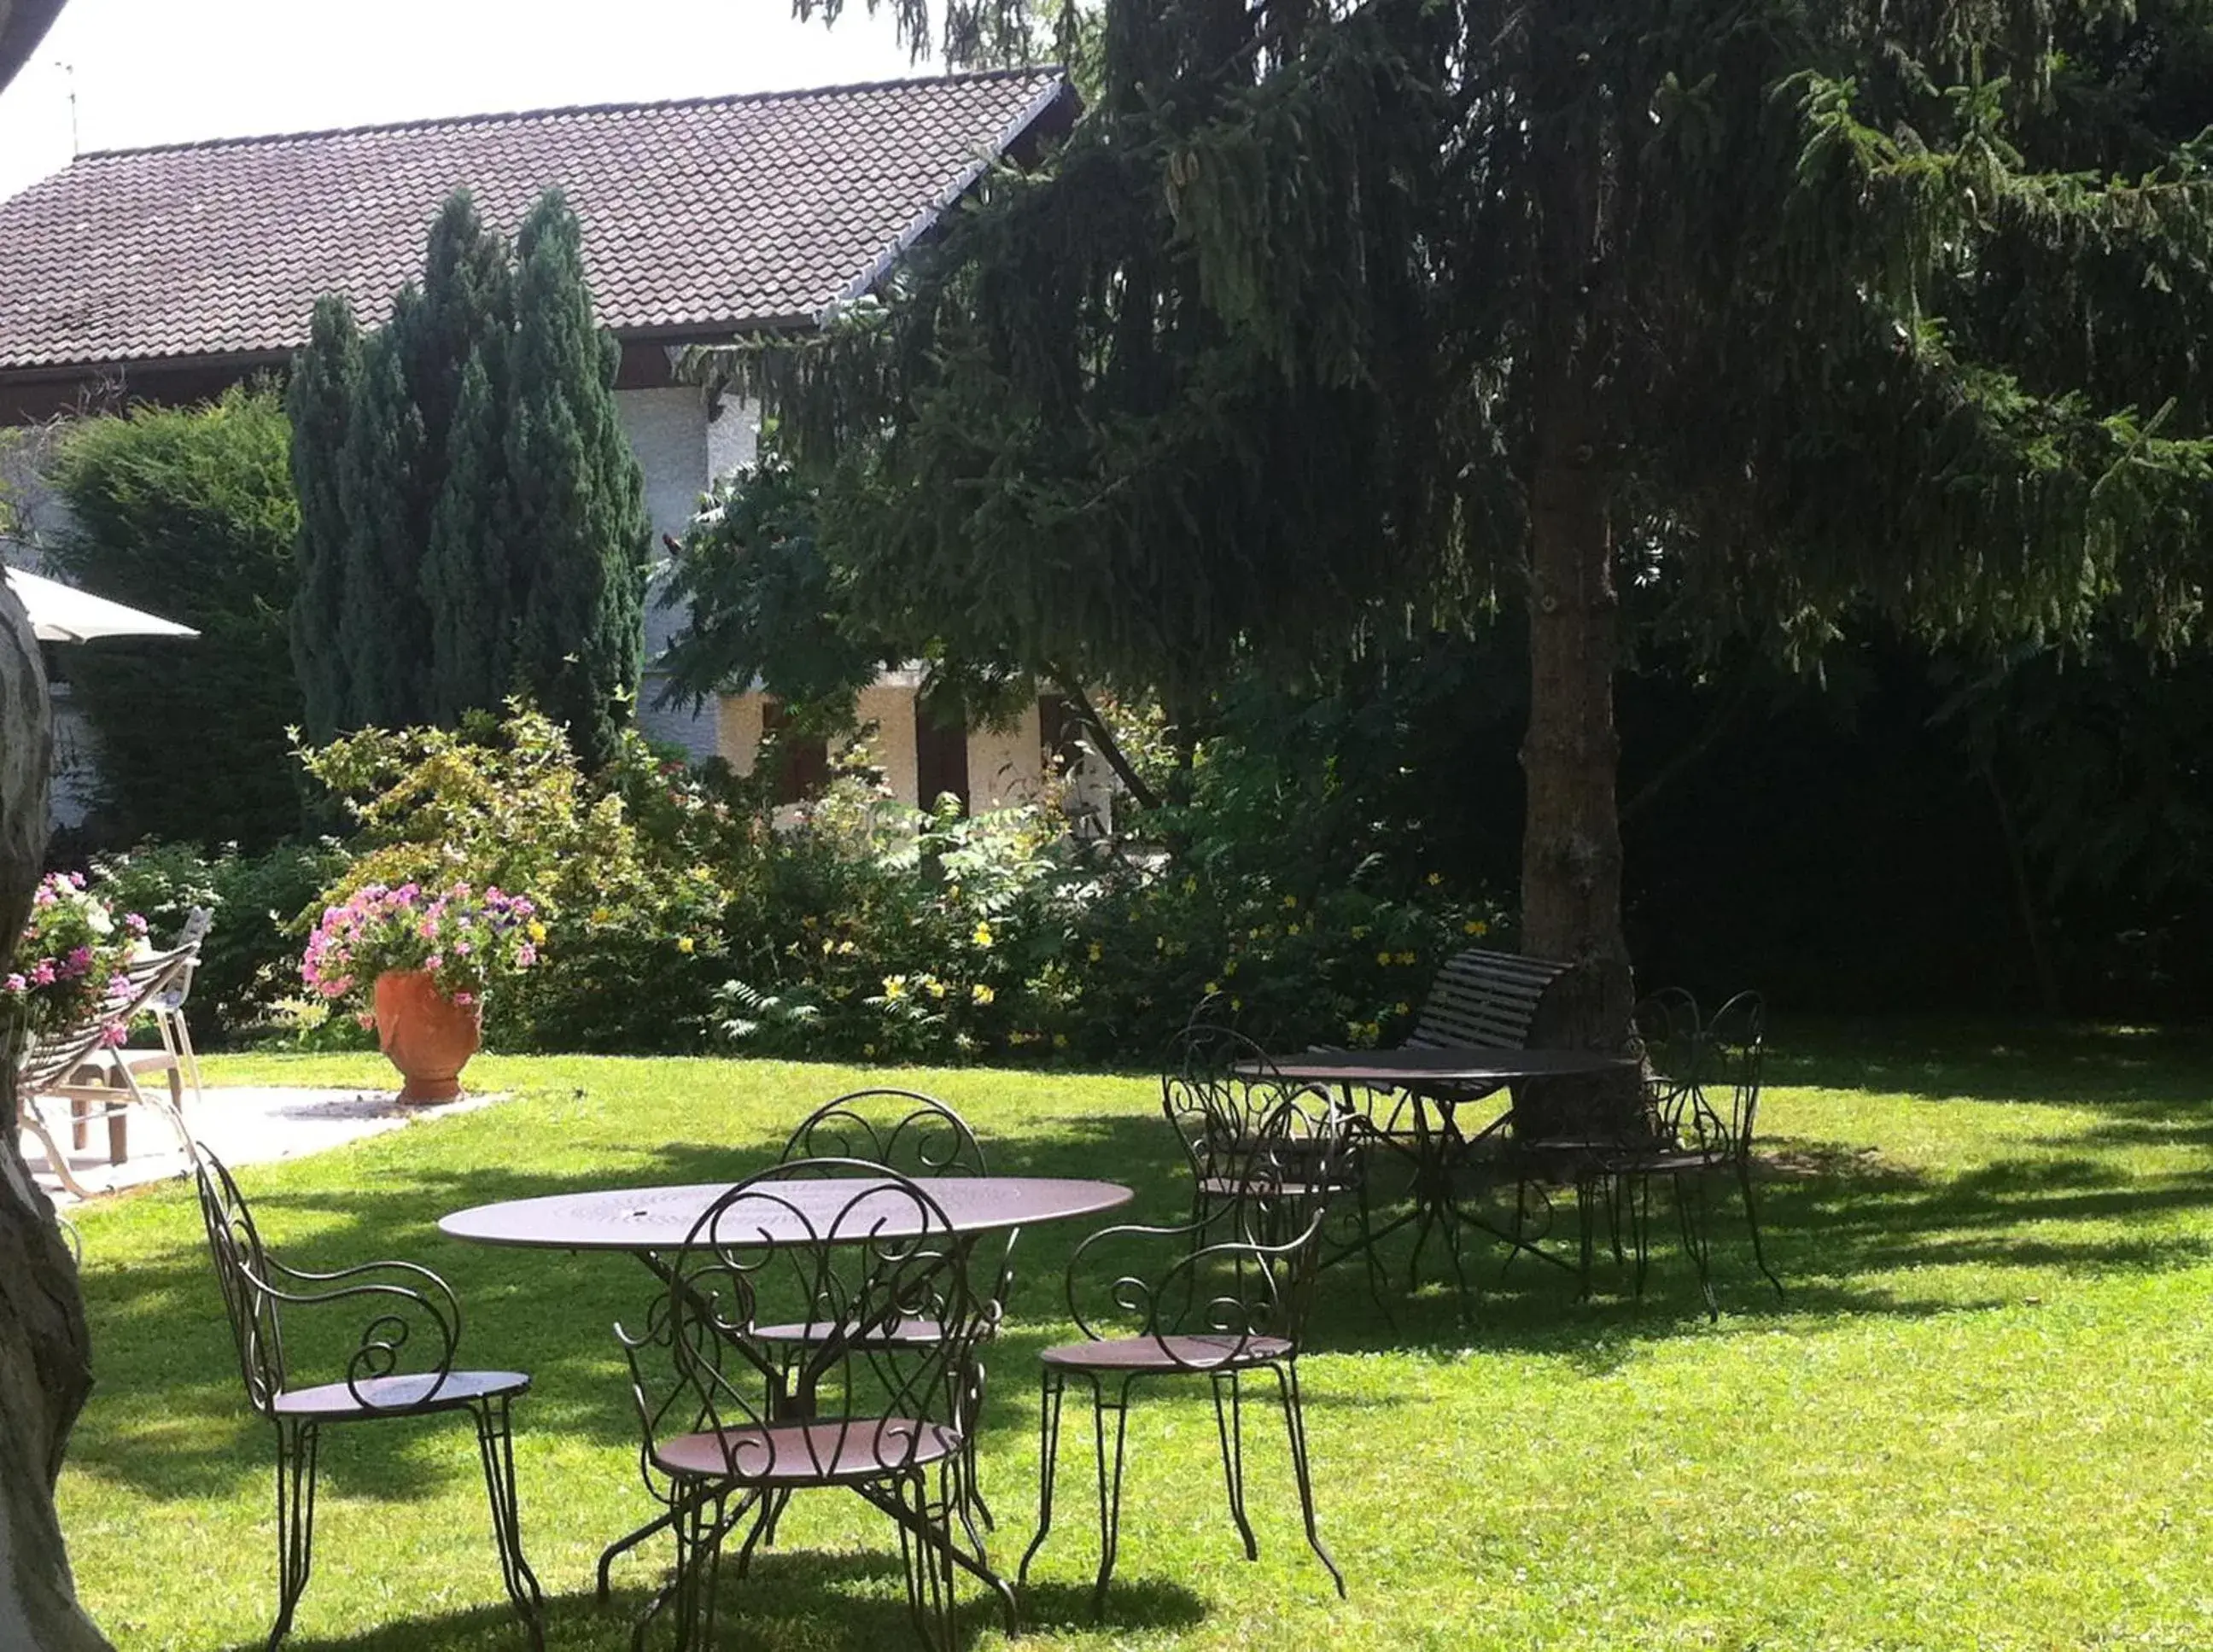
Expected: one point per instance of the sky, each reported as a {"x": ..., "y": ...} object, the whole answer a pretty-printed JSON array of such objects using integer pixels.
[{"x": 165, "y": 71}]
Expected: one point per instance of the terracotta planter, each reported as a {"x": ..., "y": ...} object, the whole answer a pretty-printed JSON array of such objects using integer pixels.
[{"x": 425, "y": 1035}]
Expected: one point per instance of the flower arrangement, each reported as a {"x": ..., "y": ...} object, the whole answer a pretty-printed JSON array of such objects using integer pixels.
[
  {"x": 70, "y": 957},
  {"x": 461, "y": 938}
]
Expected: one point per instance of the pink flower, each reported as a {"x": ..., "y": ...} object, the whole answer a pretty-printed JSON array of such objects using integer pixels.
[
  {"x": 525, "y": 955},
  {"x": 43, "y": 973},
  {"x": 461, "y": 949},
  {"x": 17, "y": 983},
  {"x": 364, "y": 1018},
  {"x": 465, "y": 999}
]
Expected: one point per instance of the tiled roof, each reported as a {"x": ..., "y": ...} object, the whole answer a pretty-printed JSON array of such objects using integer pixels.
[{"x": 701, "y": 217}]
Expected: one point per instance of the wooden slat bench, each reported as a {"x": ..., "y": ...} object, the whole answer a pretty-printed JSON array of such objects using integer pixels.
[{"x": 1483, "y": 999}]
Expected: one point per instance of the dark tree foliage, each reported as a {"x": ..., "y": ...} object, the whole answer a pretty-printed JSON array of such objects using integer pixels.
[
  {"x": 469, "y": 574},
  {"x": 579, "y": 498},
  {"x": 188, "y": 512},
  {"x": 320, "y": 401},
  {"x": 1777, "y": 315}
]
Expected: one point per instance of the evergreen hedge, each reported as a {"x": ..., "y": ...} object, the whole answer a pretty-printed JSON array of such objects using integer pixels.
[{"x": 189, "y": 513}]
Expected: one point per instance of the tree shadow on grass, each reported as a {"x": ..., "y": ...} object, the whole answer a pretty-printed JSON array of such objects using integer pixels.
[
  {"x": 1843, "y": 1227},
  {"x": 788, "y": 1598}
]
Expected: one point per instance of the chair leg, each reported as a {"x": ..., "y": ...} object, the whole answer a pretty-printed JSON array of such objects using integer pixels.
[
  {"x": 1638, "y": 1193},
  {"x": 1294, "y": 1419},
  {"x": 26, "y": 1116},
  {"x": 296, "y": 1520},
  {"x": 1751, "y": 1220},
  {"x": 496, "y": 1442},
  {"x": 698, "y": 1532},
  {"x": 1052, "y": 1387},
  {"x": 927, "y": 1552},
  {"x": 1689, "y": 1189},
  {"x": 1229, "y": 1425},
  {"x": 1110, "y": 1482}
]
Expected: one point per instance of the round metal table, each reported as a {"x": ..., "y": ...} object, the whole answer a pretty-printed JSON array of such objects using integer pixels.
[
  {"x": 1438, "y": 1150},
  {"x": 651, "y": 1223}
]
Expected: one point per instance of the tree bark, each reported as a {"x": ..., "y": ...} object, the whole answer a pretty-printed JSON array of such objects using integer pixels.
[
  {"x": 1572, "y": 833},
  {"x": 45, "y": 1367}
]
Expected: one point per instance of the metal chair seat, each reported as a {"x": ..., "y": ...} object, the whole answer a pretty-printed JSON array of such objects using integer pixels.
[
  {"x": 1230, "y": 1187},
  {"x": 914, "y": 1332},
  {"x": 1194, "y": 1352},
  {"x": 839, "y": 1452},
  {"x": 421, "y": 1394}
]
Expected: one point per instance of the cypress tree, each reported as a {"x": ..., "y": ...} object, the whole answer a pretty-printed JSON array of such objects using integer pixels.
[
  {"x": 579, "y": 524},
  {"x": 319, "y": 402},
  {"x": 383, "y": 627},
  {"x": 468, "y": 574}
]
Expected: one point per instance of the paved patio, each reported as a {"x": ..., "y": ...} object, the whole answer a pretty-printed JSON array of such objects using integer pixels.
[{"x": 243, "y": 1126}]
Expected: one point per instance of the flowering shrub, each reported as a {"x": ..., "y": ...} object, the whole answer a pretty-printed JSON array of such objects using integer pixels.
[
  {"x": 68, "y": 958},
  {"x": 463, "y": 939}
]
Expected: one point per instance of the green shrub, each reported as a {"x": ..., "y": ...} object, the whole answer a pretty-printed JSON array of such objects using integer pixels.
[
  {"x": 249, "y": 967},
  {"x": 188, "y": 512},
  {"x": 634, "y": 870}
]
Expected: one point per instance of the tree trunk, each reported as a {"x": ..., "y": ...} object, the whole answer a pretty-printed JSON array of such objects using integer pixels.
[
  {"x": 1571, "y": 833},
  {"x": 46, "y": 1368}
]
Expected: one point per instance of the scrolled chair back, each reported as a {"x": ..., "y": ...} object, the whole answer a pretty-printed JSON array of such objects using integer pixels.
[
  {"x": 242, "y": 1271},
  {"x": 1667, "y": 1037},
  {"x": 905, "y": 1130},
  {"x": 404, "y": 1353},
  {"x": 1219, "y": 1089},
  {"x": 1732, "y": 1049},
  {"x": 852, "y": 1250},
  {"x": 1245, "y": 1285}
]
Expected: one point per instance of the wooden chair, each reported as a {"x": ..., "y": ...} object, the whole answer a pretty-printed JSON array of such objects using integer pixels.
[
  {"x": 75, "y": 1065},
  {"x": 1483, "y": 999},
  {"x": 411, "y": 1310}
]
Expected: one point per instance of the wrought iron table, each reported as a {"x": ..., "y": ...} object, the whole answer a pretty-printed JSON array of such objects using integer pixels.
[
  {"x": 651, "y": 1222},
  {"x": 1437, "y": 1082}
]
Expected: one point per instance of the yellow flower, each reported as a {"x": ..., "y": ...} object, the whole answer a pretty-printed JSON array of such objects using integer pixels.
[
  {"x": 1095, "y": 953},
  {"x": 981, "y": 993},
  {"x": 1060, "y": 1041},
  {"x": 933, "y": 986},
  {"x": 1382, "y": 957},
  {"x": 1229, "y": 968},
  {"x": 867, "y": 1049},
  {"x": 1237, "y": 1004},
  {"x": 1291, "y": 903},
  {"x": 829, "y": 947},
  {"x": 1478, "y": 927},
  {"x": 1360, "y": 932},
  {"x": 1290, "y": 929},
  {"x": 1399, "y": 1008},
  {"x": 1190, "y": 885},
  {"x": 686, "y": 944},
  {"x": 846, "y": 949},
  {"x": 601, "y": 915},
  {"x": 982, "y": 936},
  {"x": 1405, "y": 957},
  {"x": 1214, "y": 986},
  {"x": 894, "y": 987},
  {"x": 1436, "y": 878},
  {"x": 1160, "y": 943},
  {"x": 536, "y": 931}
]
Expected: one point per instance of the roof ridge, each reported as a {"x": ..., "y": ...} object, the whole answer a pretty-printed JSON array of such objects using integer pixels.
[{"x": 650, "y": 105}]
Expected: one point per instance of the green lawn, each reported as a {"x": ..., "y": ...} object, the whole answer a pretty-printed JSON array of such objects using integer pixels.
[{"x": 1980, "y": 1420}]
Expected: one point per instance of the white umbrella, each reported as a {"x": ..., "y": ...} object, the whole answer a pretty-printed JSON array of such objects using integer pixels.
[{"x": 62, "y": 613}]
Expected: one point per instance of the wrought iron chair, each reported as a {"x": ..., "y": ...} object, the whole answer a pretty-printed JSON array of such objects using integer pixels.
[
  {"x": 858, "y": 1263},
  {"x": 1708, "y": 1131},
  {"x": 1236, "y": 1300},
  {"x": 411, "y": 1308},
  {"x": 916, "y": 1135},
  {"x": 1594, "y": 1147}
]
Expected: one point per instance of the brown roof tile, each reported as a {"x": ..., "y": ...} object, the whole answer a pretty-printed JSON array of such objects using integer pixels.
[{"x": 706, "y": 216}]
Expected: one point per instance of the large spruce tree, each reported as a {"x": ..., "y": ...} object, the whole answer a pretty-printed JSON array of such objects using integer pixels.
[
  {"x": 579, "y": 504},
  {"x": 1769, "y": 313}
]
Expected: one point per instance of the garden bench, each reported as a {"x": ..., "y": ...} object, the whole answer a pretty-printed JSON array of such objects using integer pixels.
[{"x": 1483, "y": 999}]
